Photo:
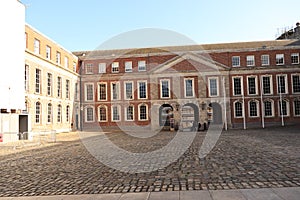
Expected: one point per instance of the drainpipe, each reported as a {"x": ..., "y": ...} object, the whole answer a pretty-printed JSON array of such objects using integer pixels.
[{"x": 80, "y": 96}]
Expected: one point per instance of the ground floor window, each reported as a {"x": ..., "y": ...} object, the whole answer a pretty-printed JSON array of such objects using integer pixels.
[
  {"x": 59, "y": 113},
  {"x": 129, "y": 113},
  {"x": 38, "y": 112},
  {"x": 49, "y": 113},
  {"x": 297, "y": 107},
  {"x": 102, "y": 114},
  {"x": 268, "y": 108},
  {"x": 253, "y": 112},
  {"x": 116, "y": 113},
  {"x": 143, "y": 112},
  {"x": 238, "y": 109},
  {"x": 283, "y": 108},
  {"x": 89, "y": 114}
]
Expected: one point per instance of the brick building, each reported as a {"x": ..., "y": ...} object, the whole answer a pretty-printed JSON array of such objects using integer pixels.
[
  {"x": 50, "y": 79},
  {"x": 237, "y": 84}
]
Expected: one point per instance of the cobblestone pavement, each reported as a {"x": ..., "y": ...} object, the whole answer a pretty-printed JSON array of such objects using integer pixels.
[{"x": 242, "y": 159}]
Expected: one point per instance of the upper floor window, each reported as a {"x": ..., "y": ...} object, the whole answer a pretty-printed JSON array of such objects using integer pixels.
[
  {"x": 165, "y": 88},
  {"x": 236, "y": 61},
  {"x": 89, "y": 92},
  {"x": 250, "y": 60},
  {"x": 59, "y": 86},
  {"x": 237, "y": 86},
  {"x": 213, "y": 87},
  {"x": 141, "y": 65},
  {"x": 66, "y": 62},
  {"x": 67, "y": 89},
  {"x": 49, "y": 84},
  {"x": 295, "y": 58},
  {"x": 128, "y": 87},
  {"x": 102, "y": 91},
  {"x": 252, "y": 88},
  {"x": 279, "y": 59},
  {"x": 74, "y": 66},
  {"x": 36, "y": 46},
  {"x": 48, "y": 52},
  {"x": 26, "y": 40},
  {"x": 38, "y": 80},
  {"x": 142, "y": 90},
  {"x": 115, "y": 67},
  {"x": 102, "y": 68},
  {"x": 281, "y": 84},
  {"x": 58, "y": 58},
  {"x": 115, "y": 91},
  {"x": 267, "y": 85},
  {"x": 26, "y": 83},
  {"x": 296, "y": 83},
  {"x": 189, "y": 87},
  {"x": 265, "y": 60},
  {"x": 89, "y": 68},
  {"x": 128, "y": 66}
]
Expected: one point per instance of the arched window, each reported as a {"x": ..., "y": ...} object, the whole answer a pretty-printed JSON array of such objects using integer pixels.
[
  {"x": 238, "y": 109},
  {"x": 143, "y": 112},
  {"x": 38, "y": 112},
  {"x": 102, "y": 114},
  {"x": 49, "y": 113},
  {"x": 253, "y": 108}
]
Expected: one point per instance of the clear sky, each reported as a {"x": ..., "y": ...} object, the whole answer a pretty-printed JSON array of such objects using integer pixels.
[{"x": 86, "y": 24}]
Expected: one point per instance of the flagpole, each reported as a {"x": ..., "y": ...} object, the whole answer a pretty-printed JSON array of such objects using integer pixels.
[
  {"x": 262, "y": 103},
  {"x": 225, "y": 109}
]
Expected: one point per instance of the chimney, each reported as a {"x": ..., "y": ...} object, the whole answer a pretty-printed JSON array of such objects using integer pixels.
[{"x": 297, "y": 31}]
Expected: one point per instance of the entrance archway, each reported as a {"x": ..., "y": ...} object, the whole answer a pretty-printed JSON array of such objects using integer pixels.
[
  {"x": 189, "y": 116},
  {"x": 165, "y": 114},
  {"x": 217, "y": 113}
]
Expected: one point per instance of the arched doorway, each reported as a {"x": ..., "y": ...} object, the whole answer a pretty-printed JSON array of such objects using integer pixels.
[
  {"x": 189, "y": 116},
  {"x": 165, "y": 114},
  {"x": 217, "y": 113}
]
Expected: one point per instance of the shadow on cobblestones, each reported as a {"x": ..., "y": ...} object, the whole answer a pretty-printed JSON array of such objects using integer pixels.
[{"x": 252, "y": 158}]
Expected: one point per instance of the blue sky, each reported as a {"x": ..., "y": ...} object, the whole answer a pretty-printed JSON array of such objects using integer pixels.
[{"x": 86, "y": 24}]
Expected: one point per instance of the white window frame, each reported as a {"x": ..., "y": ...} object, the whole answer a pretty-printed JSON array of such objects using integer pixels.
[
  {"x": 234, "y": 109},
  {"x": 265, "y": 57},
  {"x": 59, "y": 113},
  {"x": 139, "y": 112},
  {"x": 161, "y": 88},
  {"x": 287, "y": 108},
  {"x": 292, "y": 80},
  {"x": 86, "y": 92},
  {"x": 36, "y": 46},
  {"x": 271, "y": 84},
  {"x": 38, "y": 115},
  {"x": 234, "y": 64},
  {"x": 250, "y": 60},
  {"x": 285, "y": 82},
  {"x": 106, "y": 94},
  {"x": 89, "y": 68},
  {"x": 193, "y": 87},
  {"x": 242, "y": 86},
  {"x": 142, "y": 66},
  {"x": 295, "y": 107},
  {"x": 59, "y": 87},
  {"x": 209, "y": 86},
  {"x": 280, "y": 57},
  {"x": 128, "y": 66},
  {"x": 256, "y": 85},
  {"x": 48, "y": 52},
  {"x": 115, "y": 67},
  {"x": 67, "y": 113},
  {"x": 68, "y": 89},
  {"x": 112, "y": 113},
  {"x": 86, "y": 114},
  {"x": 26, "y": 78},
  {"x": 118, "y": 91},
  {"x": 125, "y": 113},
  {"x": 132, "y": 90},
  {"x": 66, "y": 62},
  {"x": 146, "y": 89},
  {"x": 106, "y": 113},
  {"x": 49, "y": 113},
  {"x": 49, "y": 84},
  {"x": 38, "y": 81},
  {"x": 295, "y": 55},
  {"x": 58, "y": 58},
  {"x": 257, "y": 109},
  {"x": 272, "y": 107},
  {"x": 102, "y": 68}
]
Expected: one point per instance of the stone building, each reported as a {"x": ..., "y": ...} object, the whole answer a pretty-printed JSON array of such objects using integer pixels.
[
  {"x": 234, "y": 84},
  {"x": 50, "y": 79}
]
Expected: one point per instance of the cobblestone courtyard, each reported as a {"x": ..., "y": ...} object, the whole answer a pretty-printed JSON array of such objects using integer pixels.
[{"x": 252, "y": 158}]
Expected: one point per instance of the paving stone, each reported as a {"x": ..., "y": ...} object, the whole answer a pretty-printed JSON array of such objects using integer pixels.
[
  {"x": 260, "y": 194},
  {"x": 227, "y": 195},
  {"x": 193, "y": 195},
  {"x": 164, "y": 196},
  {"x": 288, "y": 193}
]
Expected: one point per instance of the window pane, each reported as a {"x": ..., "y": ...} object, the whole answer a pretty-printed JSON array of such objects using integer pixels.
[
  {"x": 129, "y": 90},
  {"x": 213, "y": 87},
  {"x": 281, "y": 84},
  {"x": 251, "y": 85},
  {"x": 238, "y": 109},
  {"x": 142, "y": 90},
  {"x": 268, "y": 108},
  {"x": 297, "y": 107},
  {"x": 165, "y": 93},
  {"x": 143, "y": 112},
  {"x": 189, "y": 92},
  {"x": 253, "y": 109},
  {"x": 102, "y": 91},
  {"x": 296, "y": 83},
  {"x": 266, "y": 85},
  {"x": 237, "y": 86},
  {"x": 129, "y": 113}
]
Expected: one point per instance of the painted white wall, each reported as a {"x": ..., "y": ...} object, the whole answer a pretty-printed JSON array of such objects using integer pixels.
[{"x": 12, "y": 51}]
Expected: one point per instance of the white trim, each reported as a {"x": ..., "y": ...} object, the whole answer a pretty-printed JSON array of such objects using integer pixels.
[
  {"x": 85, "y": 91},
  {"x": 106, "y": 113},
  {"x": 217, "y": 83},
  {"x": 138, "y": 85},
  {"x": 144, "y": 66},
  {"x": 125, "y": 112},
  {"x": 127, "y": 70},
  {"x": 161, "y": 89},
  {"x": 193, "y": 87},
  {"x": 139, "y": 113},
  {"x": 295, "y": 54},
  {"x": 256, "y": 85},
  {"x": 234, "y": 109},
  {"x": 112, "y": 113},
  {"x": 257, "y": 108},
  {"x": 118, "y": 91},
  {"x": 132, "y": 90},
  {"x": 239, "y": 64},
  {"x": 285, "y": 82},
  {"x": 292, "y": 75},
  {"x": 98, "y": 91},
  {"x": 85, "y": 113},
  {"x": 267, "y": 55},
  {"x": 251, "y": 58},
  {"x": 242, "y": 86},
  {"x": 271, "y": 84}
]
